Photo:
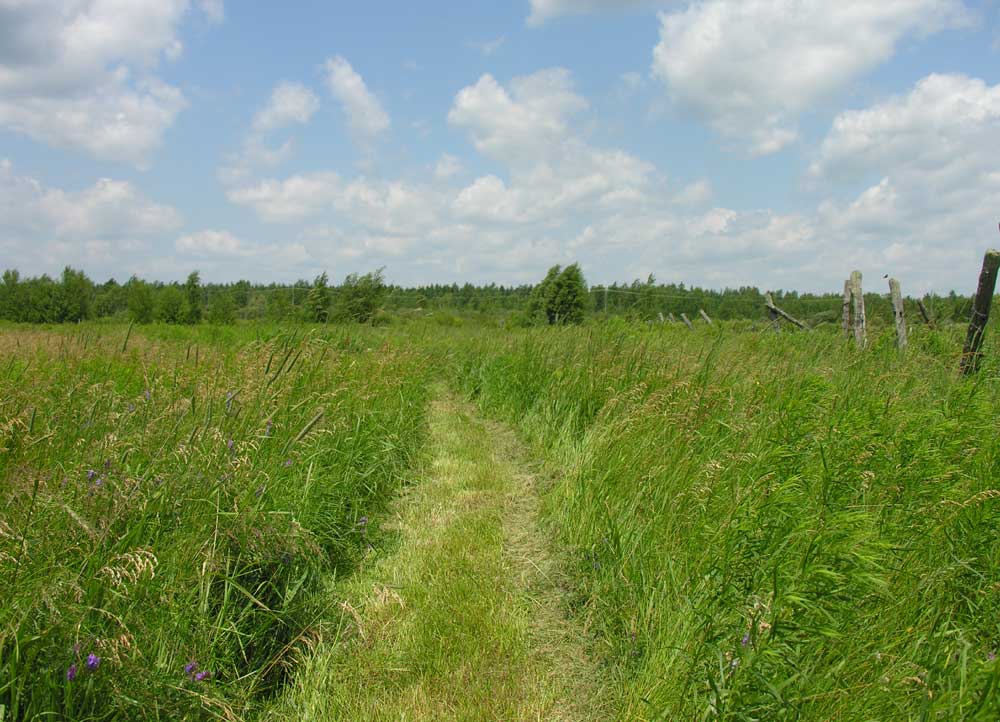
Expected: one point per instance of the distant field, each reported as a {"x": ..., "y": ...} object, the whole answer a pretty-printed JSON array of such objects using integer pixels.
[{"x": 758, "y": 526}]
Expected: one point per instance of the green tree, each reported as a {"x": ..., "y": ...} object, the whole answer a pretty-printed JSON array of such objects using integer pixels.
[
  {"x": 10, "y": 295},
  {"x": 541, "y": 297},
  {"x": 569, "y": 298},
  {"x": 75, "y": 297},
  {"x": 192, "y": 292},
  {"x": 139, "y": 300},
  {"x": 361, "y": 297},
  {"x": 318, "y": 300},
  {"x": 170, "y": 305},
  {"x": 221, "y": 308}
]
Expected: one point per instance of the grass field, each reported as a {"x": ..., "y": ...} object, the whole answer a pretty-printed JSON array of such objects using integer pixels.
[
  {"x": 172, "y": 502},
  {"x": 744, "y": 525}
]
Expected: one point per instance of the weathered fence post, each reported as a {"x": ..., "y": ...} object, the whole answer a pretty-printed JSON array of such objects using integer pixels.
[
  {"x": 845, "y": 321},
  {"x": 671, "y": 317},
  {"x": 923, "y": 312},
  {"x": 972, "y": 353},
  {"x": 686, "y": 320},
  {"x": 659, "y": 317},
  {"x": 858, "y": 299},
  {"x": 769, "y": 303},
  {"x": 705, "y": 316},
  {"x": 897, "y": 312},
  {"x": 778, "y": 311}
]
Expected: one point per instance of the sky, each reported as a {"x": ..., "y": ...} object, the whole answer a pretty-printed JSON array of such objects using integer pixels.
[{"x": 720, "y": 143}]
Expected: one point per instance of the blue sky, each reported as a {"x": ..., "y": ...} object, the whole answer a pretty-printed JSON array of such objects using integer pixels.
[{"x": 778, "y": 143}]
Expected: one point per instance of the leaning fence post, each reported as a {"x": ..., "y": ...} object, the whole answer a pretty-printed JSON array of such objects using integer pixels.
[
  {"x": 897, "y": 313},
  {"x": 845, "y": 320},
  {"x": 923, "y": 312},
  {"x": 705, "y": 316},
  {"x": 972, "y": 353},
  {"x": 858, "y": 299},
  {"x": 671, "y": 317},
  {"x": 686, "y": 320},
  {"x": 791, "y": 319},
  {"x": 769, "y": 303}
]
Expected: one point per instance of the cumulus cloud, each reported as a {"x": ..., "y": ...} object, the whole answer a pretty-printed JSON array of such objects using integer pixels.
[
  {"x": 447, "y": 167},
  {"x": 80, "y": 227},
  {"x": 934, "y": 191},
  {"x": 750, "y": 67},
  {"x": 79, "y": 74},
  {"x": 364, "y": 113},
  {"x": 289, "y": 103},
  {"x": 522, "y": 124}
]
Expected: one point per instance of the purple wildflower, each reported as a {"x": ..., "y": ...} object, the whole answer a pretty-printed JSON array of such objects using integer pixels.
[
  {"x": 746, "y": 640},
  {"x": 190, "y": 667},
  {"x": 288, "y": 462},
  {"x": 229, "y": 444},
  {"x": 991, "y": 656},
  {"x": 131, "y": 408},
  {"x": 93, "y": 661},
  {"x": 146, "y": 394},
  {"x": 202, "y": 676},
  {"x": 91, "y": 474},
  {"x": 71, "y": 673},
  {"x": 107, "y": 464}
]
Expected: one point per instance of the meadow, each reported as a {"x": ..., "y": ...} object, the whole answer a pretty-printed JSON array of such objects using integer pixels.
[
  {"x": 755, "y": 526},
  {"x": 173, "y": 501}
]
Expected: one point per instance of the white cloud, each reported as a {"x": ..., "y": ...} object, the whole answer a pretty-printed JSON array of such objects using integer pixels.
[
  {"x": 448, "y": 166},
  {"x": 214, "y": 10},
  {"x": 46, "y": 227},
  {"x": 935, "y": 190},
  {"x": 487, "y": 47},
  {"x": 750, "y": 67},
  {"x": 78, "y": 74},
  {"x": 522, "y": 125},
  {"x": 365, "y": 114},
  {"x": 210, "y": 243},
  {"x": 542, "y": 10},
  {"x": 115, "y": 122},
  {"x": 289, "y": 103}
]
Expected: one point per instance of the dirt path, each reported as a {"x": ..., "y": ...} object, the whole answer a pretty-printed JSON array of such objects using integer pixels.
[{"x": 465, "y": 620}]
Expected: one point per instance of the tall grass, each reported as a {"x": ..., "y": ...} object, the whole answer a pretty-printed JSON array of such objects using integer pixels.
[
  {"x": 769, "y": 527},
  {"x": 171, "y": 501}
]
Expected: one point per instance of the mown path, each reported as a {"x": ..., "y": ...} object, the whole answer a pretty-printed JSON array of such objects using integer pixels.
[{"x": 465, "y": 620}]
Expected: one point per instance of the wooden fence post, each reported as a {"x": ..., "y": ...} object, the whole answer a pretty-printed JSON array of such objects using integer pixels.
[
  {"x": 671, "y": 317},
  {"x": 686, "y": 320},
  {"x": 858, "y": 301},
  {"x": 769, "y": 303},
  {"x": 972, "y": 353},
  {"x": 705, "y": 316},
  {"x": 897, "y": 312},
  {"x": 659, "y": 317},
  {"x": 790, "y": 319},
  {"x": 845, "y": 321},
  {"x": 923, "y": 312}
]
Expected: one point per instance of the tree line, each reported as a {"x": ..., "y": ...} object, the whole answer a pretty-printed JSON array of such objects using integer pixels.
[{"x": 561, "y": 296}]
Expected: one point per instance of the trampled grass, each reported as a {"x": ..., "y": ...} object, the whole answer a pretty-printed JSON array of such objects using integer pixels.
[
  {"x": 770, "y": 527},
  {"x": 172, "y": 501}
]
